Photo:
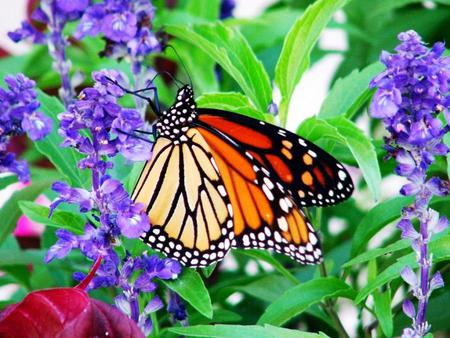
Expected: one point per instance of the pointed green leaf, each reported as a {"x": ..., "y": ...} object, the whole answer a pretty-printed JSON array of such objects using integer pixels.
[
  {"x": 299, "y": 298},
  {"x": 60, "y": 219},
  {"x": 234, "y": 102},
  {"x": 268, "y": 258},
  {"x": 242, "y": 331},
  {"x": 350, "y": 93},
  {"x": 231, "y": 51},
  {"x": 10, "y": 212},
  {"x": 298, "y": 44},
  {"x": 383, "y": 311},
  {"x": 191, "y": 288}
]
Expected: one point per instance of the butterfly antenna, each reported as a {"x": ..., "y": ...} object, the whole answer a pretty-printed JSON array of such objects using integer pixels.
[
  {"x": 181, "y": 62},
  {"x": 155, "y": 107},
  {"x": 177, "y": 82}
]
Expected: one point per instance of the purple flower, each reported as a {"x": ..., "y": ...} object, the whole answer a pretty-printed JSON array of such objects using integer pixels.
[
  {"x": 91, "y": 21},
  {"x": 226, "y": 8},
  {"x": 71, "y": 6},
  {"x": 99, "y": 128},
  {"x": 67, "y": 194},
  {"x": 144, "y": 43},
  {"x": 132, "y": 221},
  {"x": 411, "y": 93},
  {"x": 55, "y": 14},
  {"x": 120, "y": 27},
  {"x": 37, "y": 125},
  {"x": 127, "y": 28},
  {"x": 8, "y": 163},
  {"x": 66, "y": 242},
  {"x": 18, "y": 116},
  {"x": 27, "y": 31},
  {"x": 177, "y": 308}
]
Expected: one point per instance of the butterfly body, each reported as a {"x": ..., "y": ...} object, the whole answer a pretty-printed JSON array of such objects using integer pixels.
[{"x": 218, "y": 180}]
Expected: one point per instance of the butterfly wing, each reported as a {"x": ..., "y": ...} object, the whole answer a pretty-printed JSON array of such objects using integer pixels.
[
  {"x": 264, "y": 214},
  {"x": 188, "y": 206},
  {"x": 311, "y": 175}
]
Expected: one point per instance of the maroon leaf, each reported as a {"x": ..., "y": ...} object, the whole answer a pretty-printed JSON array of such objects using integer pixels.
[{"x": 64, "y": 313}]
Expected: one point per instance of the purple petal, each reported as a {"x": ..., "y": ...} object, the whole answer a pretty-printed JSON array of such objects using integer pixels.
[
  {"x": 408, "y": 308},
  {"x": 436, "y": 282},
  {"x": 409, "y": 276},
  {"x": 407, "y": 229}
]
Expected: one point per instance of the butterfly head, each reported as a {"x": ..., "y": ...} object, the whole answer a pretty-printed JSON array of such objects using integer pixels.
[{"x": 175, "y": 121}]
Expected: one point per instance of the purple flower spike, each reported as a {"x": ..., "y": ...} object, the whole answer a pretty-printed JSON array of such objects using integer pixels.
[
  {"x": 19, "y": 116},
  {"x": 99, "y": 128},
  {"x": 411, "y": 93}
]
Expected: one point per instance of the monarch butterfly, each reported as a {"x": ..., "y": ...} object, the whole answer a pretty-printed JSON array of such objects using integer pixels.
[{"x": 219, "y": 180}]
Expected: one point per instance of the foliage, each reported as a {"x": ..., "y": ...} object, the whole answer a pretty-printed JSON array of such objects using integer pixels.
[{"x": 235, "y": 64}]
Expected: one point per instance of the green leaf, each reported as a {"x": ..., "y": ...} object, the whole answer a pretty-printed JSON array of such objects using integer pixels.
[
  {"x": 268, "y": 29},
  {"x": 10, "y": 212},
  {"x": 379, "y": 216},
  {"x": 7, "y": 180},
  {"x": 21, "y": 257},
  {"x": 299, "y": 298},
  {"x": 383, "y": 7},
  {"x": 232, "y": 52},
  {"x": 377, "y": 252},
  {"x": 440, "y": 250},
  {"x": 298, "y": 44},
  {"x": 64, "y": 159},
  {"x": 383, "y": 311},
  {"x": 447, "y": 142},
  {"x": 207, "y": 272},
  {"x": 207, "y": 9},
  {"x": 349, "y": 94},
  {"x": 234, "y": 102},
  {"x": 268, "y": 258},
  {"x": 191, "y": 288},
  {"x": 267, "y": 288},
  {"x": 60, "y": 219},
  {"x": 242, "y": 331},
  {"x": 12, "y": 65},
  {"x": 344, "y": 131}
]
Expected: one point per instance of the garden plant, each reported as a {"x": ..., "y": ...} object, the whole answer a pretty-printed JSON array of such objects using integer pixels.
[{"x": 132, "y": 132}]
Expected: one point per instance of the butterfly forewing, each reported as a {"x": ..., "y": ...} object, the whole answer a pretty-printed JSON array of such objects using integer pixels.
[
  {"x": 264, "y": 214},
  {"x": 186, "y": 201},
  {"x": 311, "y": 175}
]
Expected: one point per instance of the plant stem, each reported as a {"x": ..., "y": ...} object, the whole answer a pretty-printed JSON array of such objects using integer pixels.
[
  {"x": 85, "y": 282},
  {"x": 328, "y": 306},
  {"x": 155, "y": 323},
  {"x": 57, "y": 44}
]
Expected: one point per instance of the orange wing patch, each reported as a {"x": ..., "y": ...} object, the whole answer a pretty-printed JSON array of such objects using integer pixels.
[
  {"x": 237, "y": 131},
  {"x": 264, "y": 215}
]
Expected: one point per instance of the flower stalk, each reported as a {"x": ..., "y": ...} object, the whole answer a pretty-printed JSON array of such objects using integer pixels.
[{"x": 411, "y": 94}]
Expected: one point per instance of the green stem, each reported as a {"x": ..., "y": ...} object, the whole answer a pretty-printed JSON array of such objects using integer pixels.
[
  {"x": 328, "y": 306},
  {"x": 155, "y": 332}
]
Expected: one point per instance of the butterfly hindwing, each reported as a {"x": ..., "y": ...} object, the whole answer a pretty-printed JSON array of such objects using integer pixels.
[
  {"x": 311, "y": 175},
  {"x": 264, "y": 214},
  {"x": 187, "y": 204}
]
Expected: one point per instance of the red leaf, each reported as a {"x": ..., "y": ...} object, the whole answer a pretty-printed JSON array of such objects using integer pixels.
[{"x": 64, "y": 313}]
